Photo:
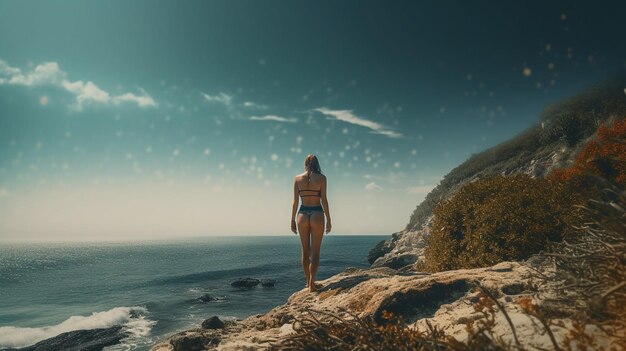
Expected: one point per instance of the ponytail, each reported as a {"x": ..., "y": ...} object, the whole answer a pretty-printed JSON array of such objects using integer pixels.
[{"x": 312, "y": 165}]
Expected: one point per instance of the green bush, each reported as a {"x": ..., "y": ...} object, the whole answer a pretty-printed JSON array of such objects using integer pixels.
[{"x": 499, "y": 218}]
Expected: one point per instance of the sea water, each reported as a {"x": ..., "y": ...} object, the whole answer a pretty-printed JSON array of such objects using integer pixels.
[{"x": 152, "y": 287}]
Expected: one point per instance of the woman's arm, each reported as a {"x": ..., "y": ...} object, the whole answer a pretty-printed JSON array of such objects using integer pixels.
[
  {"x": 294, "y": 208},
  {"x": 325, "y": 204}
]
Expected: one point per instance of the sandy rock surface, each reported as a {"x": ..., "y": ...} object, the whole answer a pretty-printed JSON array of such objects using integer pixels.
[{"x": 444, "y": 298}]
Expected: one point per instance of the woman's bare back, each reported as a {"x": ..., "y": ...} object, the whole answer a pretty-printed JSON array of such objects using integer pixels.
[{"x": 310, "y": 189}]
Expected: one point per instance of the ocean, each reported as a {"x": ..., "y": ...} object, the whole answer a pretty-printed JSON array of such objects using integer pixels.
[{"x": 151, "y": 288}]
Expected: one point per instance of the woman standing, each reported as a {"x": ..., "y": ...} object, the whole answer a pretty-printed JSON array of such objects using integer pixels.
[{"x": 310, "y": 186}]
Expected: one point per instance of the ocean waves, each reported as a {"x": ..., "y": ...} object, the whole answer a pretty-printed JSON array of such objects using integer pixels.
[{"x": 132, "y": 319}]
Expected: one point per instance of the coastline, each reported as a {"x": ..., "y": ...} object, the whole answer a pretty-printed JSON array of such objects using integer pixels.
[
  {"x": 443, "y": 299},
  {"x": 89, "y": 284}
]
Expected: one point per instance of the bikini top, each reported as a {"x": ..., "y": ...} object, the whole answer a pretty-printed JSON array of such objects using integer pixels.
[{"x": 319, "y": 192}]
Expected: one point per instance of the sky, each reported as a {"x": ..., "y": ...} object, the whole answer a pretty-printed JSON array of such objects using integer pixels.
[{"x": 162, "y": 119}]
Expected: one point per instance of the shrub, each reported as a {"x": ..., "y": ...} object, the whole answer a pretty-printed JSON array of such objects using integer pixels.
[
  {"x": 603, "y": 156},
  {"x": 576, "y": 118},
  {"x": 498, "y": 219}
]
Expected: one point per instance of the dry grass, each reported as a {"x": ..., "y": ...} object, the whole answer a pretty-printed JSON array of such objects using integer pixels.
[{"x": 590, "y": 277}]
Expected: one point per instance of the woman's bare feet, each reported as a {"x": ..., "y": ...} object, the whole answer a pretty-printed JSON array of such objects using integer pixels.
[{"x": 314, "y": 287}]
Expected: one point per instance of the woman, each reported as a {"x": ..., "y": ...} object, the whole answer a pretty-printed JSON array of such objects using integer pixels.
[{"x": 311, "y": 187}]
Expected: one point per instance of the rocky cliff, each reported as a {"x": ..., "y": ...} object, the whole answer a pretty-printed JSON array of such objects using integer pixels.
[{"x": 552, "y": 143}]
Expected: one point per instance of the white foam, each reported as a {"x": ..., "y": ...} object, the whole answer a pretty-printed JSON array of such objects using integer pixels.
[
  {"x": 128, "y": 316},
  {"x": 138, "y": 329}
]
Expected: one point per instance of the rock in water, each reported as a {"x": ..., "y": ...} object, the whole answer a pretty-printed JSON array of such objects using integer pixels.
[
  {"x": 268, "y": 283},
  {"x": 207, "y": 298},
  {"x": 84, "y": 340},
  {"x": 213, "y": 323},
  {"x": 245, "y": 283}
]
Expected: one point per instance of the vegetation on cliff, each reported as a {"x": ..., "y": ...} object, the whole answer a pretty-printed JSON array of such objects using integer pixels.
[
  {"x": 501, "y": 218},
  {"x": 603, "y": 156},
  {"x": 562, "y": 124}
]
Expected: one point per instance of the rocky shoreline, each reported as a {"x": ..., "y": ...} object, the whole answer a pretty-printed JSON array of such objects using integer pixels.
[
  {"x": 85, "y": 340},
  {"x": 444, "y": 299}
]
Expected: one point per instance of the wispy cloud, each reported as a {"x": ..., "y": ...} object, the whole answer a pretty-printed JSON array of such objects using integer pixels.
[
  {"x": 253, "y": 105},
  {"x": 373, "y": 186},
  {"x": 273, "y": 118},
  {"x": 142, "y": 101},
  {"x": 222, "y": 98},
  {"x": 349, "y": 117},
  {"x": 50, "y": 74}
]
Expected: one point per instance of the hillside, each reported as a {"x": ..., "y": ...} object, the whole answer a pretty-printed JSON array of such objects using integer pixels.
[{"x": 552, "y": 142}]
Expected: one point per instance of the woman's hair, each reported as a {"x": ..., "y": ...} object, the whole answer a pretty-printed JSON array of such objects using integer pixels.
[{"x": 312, "y": 164}]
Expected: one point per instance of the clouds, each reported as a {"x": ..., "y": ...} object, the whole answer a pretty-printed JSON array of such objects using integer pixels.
[
  {"x": 349, "y": 117},
  {"x": 142, "y": 101},
  {"x": 252, "y": 105},
  {"x": 373, "y": 186},
  {"x": 86, "y": 93},
  {"x": 273, "y": 118},
  {"x": 43, "y": 74},
  {"x": 50, "y": 74},
  {"x": 235, "y": 109},
  {"x": 222, "y": 98}
]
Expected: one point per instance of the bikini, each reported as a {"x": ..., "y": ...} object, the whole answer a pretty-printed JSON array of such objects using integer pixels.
[{"x": 308, "y": 210}]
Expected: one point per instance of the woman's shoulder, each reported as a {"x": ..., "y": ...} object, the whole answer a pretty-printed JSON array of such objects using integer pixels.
[{"x": 304, "y": 174}]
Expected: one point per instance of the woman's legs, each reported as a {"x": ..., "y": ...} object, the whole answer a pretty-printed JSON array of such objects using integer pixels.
[
  {"x": 304, "y": 229},
  {"x": 316, "y": 222}
]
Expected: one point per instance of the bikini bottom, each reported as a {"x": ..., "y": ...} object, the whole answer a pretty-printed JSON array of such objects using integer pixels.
[{"x": 308, "y": 210}]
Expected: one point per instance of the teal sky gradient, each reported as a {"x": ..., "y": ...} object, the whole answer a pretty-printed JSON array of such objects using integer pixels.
[{"x": 149, "y": 119}]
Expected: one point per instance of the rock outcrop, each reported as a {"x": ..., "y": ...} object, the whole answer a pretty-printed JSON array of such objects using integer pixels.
[
  {"x": 444, "y": 299},
  {"x": 88, "y": 340}
]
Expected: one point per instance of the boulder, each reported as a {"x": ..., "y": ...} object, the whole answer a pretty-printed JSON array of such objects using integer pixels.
[
  {"x": 268, "y": 283},
  {"x": 213, "y": 323},
  {"x": 245, "y": 283},
  {"x": 208, "y": 298}
]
